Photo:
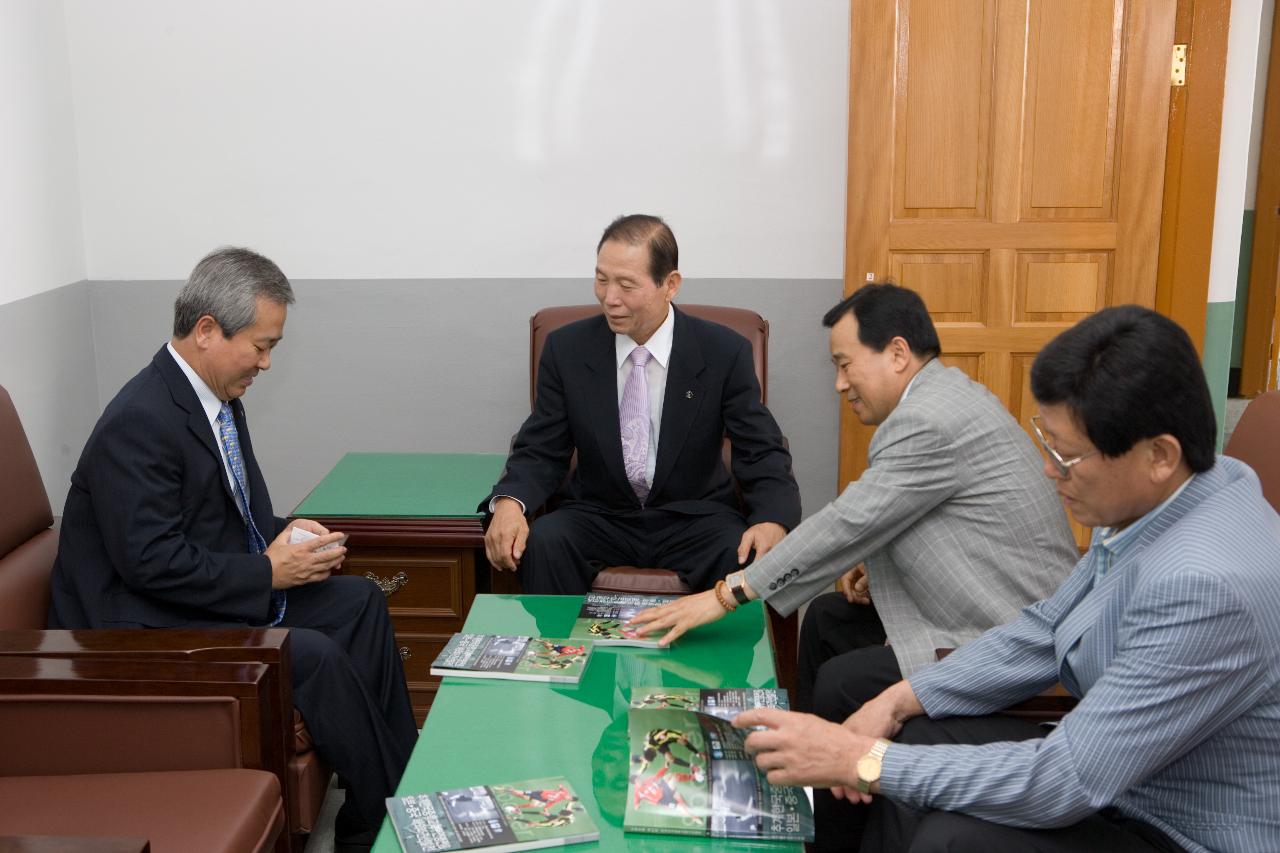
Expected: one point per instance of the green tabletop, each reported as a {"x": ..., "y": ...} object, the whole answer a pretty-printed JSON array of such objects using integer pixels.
[
  {"x": 482, "y": 732},
  {"x": 404, "y": 485}
]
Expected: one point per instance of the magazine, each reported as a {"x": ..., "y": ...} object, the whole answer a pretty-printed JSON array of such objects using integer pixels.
[
  {"x": 519, "y": 658},
  {"x": 519, "y": 816},
  {"x": 604, "y": 616},
  {"x": 691, "y": 775},
  {"x": 723, "y": 702}
]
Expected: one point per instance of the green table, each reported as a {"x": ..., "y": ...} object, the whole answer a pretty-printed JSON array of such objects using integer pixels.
[
  {"x": 483, "y": 732},
  {"x": 414, "y": 530},
  {"x": 404, "y": 485}
]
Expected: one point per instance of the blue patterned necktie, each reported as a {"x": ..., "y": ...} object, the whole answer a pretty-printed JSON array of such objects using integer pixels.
[{"x": 231, "y": 444}]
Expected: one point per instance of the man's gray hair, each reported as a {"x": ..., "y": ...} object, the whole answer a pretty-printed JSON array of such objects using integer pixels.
[{"x": 226, "y": 285}]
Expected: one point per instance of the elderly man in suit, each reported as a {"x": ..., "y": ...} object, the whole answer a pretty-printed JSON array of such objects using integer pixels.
[
  {"x": 955, "y": 524},
  {"x": 645, "y": 394},
  {"x": 1167, "y": 630},
  {"x": 168, "y": 524}
]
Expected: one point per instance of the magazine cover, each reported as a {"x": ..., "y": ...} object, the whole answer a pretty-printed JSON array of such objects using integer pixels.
[
  {"x": 519, "y": 658},
  {"x": 723, "y": 702},
  {"x": 604, "y": 615},
  {"x": 691, "y": 775},
  {"x": 519, "y": 816}
]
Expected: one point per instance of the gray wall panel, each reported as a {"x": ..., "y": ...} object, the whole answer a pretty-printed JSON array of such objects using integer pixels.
[
  {"x": 442, "y": 365},
  {"x": 46, "y": 363}
]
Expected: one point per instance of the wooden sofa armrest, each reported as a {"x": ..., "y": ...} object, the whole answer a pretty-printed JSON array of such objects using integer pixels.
[
  {"x": 148, "y": 649},
  {"x": 227, "y": 645},
  {"x": 1047, "y": 706},
  {"x": 262, "y": 645},
  {"x": 60, "y": 716}
]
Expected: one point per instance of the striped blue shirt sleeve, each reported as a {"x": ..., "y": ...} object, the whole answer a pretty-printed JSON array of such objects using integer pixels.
[{"x": 1188, "y": 660}]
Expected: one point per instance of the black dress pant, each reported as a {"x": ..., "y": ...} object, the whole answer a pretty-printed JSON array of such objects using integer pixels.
[
  {"x": 892, "y": 827},
  {"x": 349, "y": 687},
  {"x": 844, "y": 683},
  {"x": 832, "y": 626},
  {"x": 567, "y": 548}
]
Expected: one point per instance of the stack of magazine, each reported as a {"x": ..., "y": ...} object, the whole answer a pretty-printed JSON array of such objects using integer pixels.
[
  {"x": 513, "y": 657},
  {"x": 690, "y": 772},
  {"x": 604, "y": 616},
  {"x": 518, "y": 816},
  {"x": 601, "y": 621}
]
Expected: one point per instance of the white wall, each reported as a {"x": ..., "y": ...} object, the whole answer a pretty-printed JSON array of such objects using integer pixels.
[
  {"x": 405, "y": 139},
  {"x": 1259, "y": 100},
  {"x": 41, "y": 244},
  {"x": 1233, "y": 155}
]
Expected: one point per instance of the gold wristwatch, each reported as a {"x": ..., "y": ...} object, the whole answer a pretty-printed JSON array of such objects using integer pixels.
[
  {"x": 737, "y": 583},
  {"x": 869, "y": 766}
]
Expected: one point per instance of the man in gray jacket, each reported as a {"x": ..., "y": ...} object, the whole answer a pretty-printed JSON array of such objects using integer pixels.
[{"x": 953, "y": 519}]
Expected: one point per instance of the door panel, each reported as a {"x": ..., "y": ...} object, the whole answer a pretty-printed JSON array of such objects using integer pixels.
[
  {"x": 1006, "y": 161},
  {"x": 943, "y": 141},
  {"x": 1073, "y": 69}
]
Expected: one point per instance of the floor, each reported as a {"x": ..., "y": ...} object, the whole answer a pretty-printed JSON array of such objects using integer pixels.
[
  {"x": 1235, "y": 408},
  {"x": 321, "y": 839}
]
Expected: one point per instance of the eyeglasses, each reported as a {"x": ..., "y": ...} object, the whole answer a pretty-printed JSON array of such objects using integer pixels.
[{"x": 1063, "y": 466}]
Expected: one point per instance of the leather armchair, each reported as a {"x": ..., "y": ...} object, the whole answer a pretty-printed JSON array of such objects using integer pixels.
[
  {"x": 660, "y": 581},
  {"x": 28, "y": 546},
  {"x": 1253, "y": 442},
  {"x": 104, "y": 748}
]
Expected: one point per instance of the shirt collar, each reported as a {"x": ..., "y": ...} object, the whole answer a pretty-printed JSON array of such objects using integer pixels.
[
  {"x": 1116, "y": 541},
  {"x": 907, "y": 390},
  {"x": 208, "y": 400},
  {"x": 658, "y": 345}
]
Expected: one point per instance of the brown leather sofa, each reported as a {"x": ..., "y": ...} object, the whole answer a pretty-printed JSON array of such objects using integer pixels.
[
  {"x": 659, "y": 581},
  {"x": 28, "y": 545},
  {"x": 99, "y": 748},
  {"x": 28, "y": 542}
]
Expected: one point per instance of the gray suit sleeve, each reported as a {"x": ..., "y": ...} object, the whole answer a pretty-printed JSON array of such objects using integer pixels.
[{"x": 913, "y": 469}]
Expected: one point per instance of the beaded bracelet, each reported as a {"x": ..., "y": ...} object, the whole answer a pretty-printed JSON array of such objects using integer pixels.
[{"x": 724, "y": 600}]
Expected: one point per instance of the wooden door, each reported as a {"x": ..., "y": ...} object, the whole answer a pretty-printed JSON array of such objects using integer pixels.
[
  {"x": 1006, "y": 161},
  {"x": 1262, "y": 311}
]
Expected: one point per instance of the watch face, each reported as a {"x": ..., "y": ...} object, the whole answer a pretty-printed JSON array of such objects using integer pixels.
[{"x": 868, "y": 768}]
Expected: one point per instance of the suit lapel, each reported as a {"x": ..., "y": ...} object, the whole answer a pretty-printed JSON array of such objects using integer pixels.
[
  {"x": 683, "y": 398},
  {"x": 1082, "y": 615},
  {"x": 184, "y": 396},
  {"x": 928, "y": 375},
  {"x": 600, "y": 373}
]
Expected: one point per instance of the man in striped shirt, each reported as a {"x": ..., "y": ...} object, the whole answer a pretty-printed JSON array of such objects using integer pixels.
[{"x": 1168, "y": 631}]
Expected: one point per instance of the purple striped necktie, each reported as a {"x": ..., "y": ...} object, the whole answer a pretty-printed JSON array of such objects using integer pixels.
[{"x": 633, "y": 420}]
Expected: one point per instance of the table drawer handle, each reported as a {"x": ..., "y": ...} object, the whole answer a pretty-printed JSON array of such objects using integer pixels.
[
  {"x": 388, "y": 585},
  {"x": 405, "y": 654}
]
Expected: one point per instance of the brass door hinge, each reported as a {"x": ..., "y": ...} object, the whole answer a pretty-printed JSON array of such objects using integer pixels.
[{"x": 1179, "y": 75}]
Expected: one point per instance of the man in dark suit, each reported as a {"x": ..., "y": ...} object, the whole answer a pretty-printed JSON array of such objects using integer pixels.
[
  {"x": 645, "y": 394},
  {"x": 168, "y": 524}
]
